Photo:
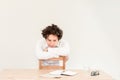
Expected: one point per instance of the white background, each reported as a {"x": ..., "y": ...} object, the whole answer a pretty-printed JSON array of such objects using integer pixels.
[{"x": 92, "y": 28}]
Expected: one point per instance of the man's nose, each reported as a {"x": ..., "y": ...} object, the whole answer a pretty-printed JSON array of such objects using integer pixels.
[{"x": 52, "y": 43}]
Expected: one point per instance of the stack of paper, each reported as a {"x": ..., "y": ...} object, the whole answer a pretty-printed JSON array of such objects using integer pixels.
[
  {"x": 68, "y": 73},
  {"x": 62, "y": 72},
  {"x": 59, "y": 73},
  {"x": 51, "y": 76}
]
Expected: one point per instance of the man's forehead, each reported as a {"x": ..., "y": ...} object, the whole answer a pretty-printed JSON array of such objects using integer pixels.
[{"x": 52, "y": 37}]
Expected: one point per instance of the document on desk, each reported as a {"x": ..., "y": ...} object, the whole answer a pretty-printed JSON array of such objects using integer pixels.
[
  {"x": 59, "y": 73},
  {"x": 51, "y": 76},
  {"x": 63, "y": 72}
]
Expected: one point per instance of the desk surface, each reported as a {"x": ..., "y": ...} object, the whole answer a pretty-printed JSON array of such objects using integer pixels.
[{"x": 34, "y": 74}]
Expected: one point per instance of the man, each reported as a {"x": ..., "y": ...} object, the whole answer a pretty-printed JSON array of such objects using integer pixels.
[{"x": 51, "y": 45}]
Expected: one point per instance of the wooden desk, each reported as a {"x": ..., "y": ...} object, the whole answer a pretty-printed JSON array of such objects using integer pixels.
[{"x": 34, "y": 74}]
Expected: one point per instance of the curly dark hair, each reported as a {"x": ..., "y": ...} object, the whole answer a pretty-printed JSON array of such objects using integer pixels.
[{"x": 54, "y": 30}]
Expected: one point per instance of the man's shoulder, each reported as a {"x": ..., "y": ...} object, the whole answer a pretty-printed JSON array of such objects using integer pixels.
[{"x": 63, "y": 42}]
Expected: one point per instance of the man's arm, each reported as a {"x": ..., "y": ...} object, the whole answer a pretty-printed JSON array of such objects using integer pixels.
[
  {"x": 62, "y": 50},
  {"x": 43, "y": 54}
]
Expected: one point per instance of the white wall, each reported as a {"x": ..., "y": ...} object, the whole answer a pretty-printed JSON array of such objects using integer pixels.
[{"x": 91, "y": 27}]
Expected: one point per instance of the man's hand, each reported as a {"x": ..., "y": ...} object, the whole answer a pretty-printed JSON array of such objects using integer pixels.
[{"x": 46, "y": 49}]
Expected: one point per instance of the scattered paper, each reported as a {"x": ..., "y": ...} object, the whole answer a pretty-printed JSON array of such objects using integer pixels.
[
  {"x": 51, "y": 76},
  {"x": 59, "y": 73},
  {"x": 68, "y": 73},
  {"x": 63, "y": 72}
]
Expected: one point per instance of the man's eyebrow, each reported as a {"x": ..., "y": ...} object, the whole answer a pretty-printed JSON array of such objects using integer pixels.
[{"x": 49, "y": 39}]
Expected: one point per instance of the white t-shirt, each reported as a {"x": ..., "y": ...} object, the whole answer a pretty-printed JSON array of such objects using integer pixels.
[{"x": 62, "y": 49}]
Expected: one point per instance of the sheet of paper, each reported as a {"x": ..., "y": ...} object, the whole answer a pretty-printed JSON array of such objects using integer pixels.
[
  {"x": 56, "y": 72},
  {"x": 68, "y": 73},
  {"x": 62, "y": 72},
  {"x": 51, "y": 76}
]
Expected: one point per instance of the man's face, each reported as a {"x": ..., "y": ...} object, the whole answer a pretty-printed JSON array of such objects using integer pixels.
[{"x": 52, "y": 40}]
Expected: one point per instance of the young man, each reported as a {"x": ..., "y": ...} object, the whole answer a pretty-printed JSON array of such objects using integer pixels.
[{"x": 52, "y": 45}]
